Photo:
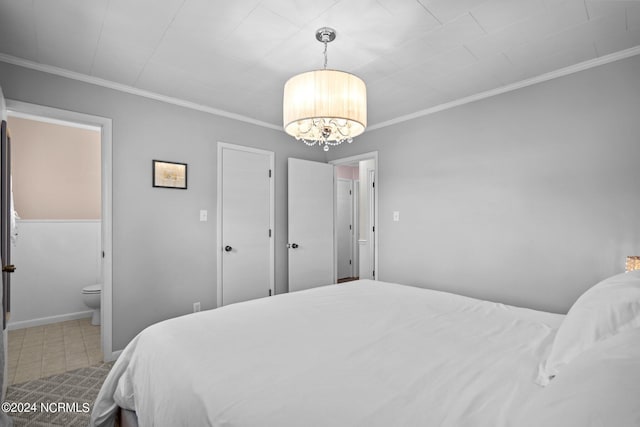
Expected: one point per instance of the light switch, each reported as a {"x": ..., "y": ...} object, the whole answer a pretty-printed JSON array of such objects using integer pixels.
[
  {"x": 203, "y": 215},
  {"x": 396, "y": 216}
]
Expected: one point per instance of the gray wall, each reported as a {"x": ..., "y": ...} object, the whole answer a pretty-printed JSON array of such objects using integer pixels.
[
  {"x": 164, "y": 258},
  {"x": 526, "y": 198}
]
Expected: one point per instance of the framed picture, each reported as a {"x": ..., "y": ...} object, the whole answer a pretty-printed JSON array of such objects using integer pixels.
[{"x": 169, "y": 174}]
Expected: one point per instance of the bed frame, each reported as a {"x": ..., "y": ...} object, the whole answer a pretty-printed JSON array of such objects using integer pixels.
[{"x": 126, "y": 418}]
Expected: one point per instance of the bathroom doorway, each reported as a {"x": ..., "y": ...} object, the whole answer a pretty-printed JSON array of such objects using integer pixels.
[{"x": 59, "y": 191}]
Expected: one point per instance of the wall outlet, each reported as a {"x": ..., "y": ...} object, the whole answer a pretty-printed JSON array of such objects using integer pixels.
[
  {"x": 203, "y": 215},
  {"x": 196, "y": 307}
]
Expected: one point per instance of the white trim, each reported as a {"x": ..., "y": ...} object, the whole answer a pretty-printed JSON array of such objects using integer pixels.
[
  {"x": 105, "y": 124},
  {"x": 355, "y": 159},
  {"x": 348, "y": 160},
  {"x": 106, "y": 310},
  {"x": 513, "y": 86},
  {"x": 52, "y": 121},
  {"x": 356, "y": 227},
  {"x": 219, "y": 226},
  {"x": 132, "y": 90},
  {"x": 272, "y": 265},
  {"x": 5, "y": 369},
  {"x": 36, "y": 221},
  {"x": 44, "y": 113},
  {"x": 373, "y": 236},
  {"x": 48, "y": 320},
  {"x": 365, "y": 260},
  {"x": 335, "y": 221}
]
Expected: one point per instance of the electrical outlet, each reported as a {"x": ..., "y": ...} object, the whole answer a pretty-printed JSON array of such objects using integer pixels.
[{"x": 196, "y": 307}]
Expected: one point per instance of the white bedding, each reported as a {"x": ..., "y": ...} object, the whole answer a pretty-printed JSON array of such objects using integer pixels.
[{"x": 364, "y": 353}]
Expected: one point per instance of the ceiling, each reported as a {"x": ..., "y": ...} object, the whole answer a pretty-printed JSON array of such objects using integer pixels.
[{"x": 236, "y": 55}]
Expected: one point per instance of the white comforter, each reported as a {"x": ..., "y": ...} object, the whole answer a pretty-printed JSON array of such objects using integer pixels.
[{"x": 363, "y": 353}]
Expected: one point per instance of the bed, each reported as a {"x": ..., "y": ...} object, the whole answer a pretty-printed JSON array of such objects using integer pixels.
[{"x": 370, "y": 353}]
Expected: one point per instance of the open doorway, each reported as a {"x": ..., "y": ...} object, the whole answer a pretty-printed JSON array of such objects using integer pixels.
[
  {"x": 347, "y": 222},
  {"x": 65, "y": 318},
  {"x": 362, "y": 251}
]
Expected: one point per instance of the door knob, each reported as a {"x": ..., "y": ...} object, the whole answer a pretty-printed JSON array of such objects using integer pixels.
[
  {"x": 292, "y": 245},
  {"x": 10, "y": 268},
  {"x": 227, "y": 248}
]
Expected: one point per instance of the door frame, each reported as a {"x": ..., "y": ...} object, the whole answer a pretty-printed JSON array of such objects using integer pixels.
[
  {"x": 219, "y": 243},
  {"x": 356, "y": 226},
  {"x": 24, "y": 109},
  {"x": 371, "y": 177},
  {"x": 372, "y": 155}
]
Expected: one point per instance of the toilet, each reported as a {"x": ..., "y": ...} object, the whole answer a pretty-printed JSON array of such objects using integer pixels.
[{"x": 91, "y": 297}]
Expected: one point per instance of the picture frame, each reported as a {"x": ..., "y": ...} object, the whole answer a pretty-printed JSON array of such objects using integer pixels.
[{"x": 169, "y": 174}]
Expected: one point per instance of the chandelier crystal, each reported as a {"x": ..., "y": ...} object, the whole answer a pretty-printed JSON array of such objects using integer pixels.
[{"x": 327, "y": 107}]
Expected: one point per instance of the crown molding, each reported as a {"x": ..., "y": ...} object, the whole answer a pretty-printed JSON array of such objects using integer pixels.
[
  {"x": 421, "y": 113},
  {"x": 131, "y": 90},
  {"x": 513, "y": 86}
]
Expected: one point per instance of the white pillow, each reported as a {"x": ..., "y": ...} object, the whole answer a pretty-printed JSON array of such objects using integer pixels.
[
  {"x": 608, "y": 308},
  {"x": 601, "y": 387}
]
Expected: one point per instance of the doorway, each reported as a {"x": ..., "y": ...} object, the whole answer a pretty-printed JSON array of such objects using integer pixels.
[
  {"x": 245, "y": 224},
  {"x": 347, "y": 222},
  {"x": 313, "y": 220},
  {"x": 366, "y": 206},
  {"x": 77, "y": 326}
]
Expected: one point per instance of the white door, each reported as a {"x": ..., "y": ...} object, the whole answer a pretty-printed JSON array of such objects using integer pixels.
[
  {"x": 311, "y": 246},
  {"x": 344, "y": 227},
  {"x": 245, "y": 223}
]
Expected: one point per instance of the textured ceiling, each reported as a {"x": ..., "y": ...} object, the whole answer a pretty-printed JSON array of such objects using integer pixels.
[{"x": 236, "y": 55}]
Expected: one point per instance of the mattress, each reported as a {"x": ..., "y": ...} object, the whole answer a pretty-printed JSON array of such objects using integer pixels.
[{"x": 363, "y": 353}]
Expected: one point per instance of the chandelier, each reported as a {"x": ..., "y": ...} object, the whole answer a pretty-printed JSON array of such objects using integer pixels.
[{"x": 327, "y": 107}]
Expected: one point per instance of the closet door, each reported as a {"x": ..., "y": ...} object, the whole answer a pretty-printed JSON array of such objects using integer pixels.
[
  {"x": 245, "y": 227},
  {"x": 311, "y": 219},
  {"x": 5, "y": 221}
]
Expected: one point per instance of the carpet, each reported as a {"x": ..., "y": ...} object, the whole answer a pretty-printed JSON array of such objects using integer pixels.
[{"x": 59, "y": 400}]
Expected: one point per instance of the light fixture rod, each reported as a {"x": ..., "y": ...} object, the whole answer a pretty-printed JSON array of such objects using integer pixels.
[
  {"x": 325, "y": 35},
  {"x": 325, "y": 55}
]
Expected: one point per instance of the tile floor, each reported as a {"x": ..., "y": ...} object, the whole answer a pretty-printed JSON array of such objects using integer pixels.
[{"x": 41, "y": 351}]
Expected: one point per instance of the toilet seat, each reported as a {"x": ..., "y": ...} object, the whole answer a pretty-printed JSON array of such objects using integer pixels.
[{"x": 92, "y": 289}]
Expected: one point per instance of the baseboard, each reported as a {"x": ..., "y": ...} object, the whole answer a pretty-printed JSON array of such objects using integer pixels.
[
  {"x": 47, "y": 320},
  {"x": 114, "y": 355}
]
